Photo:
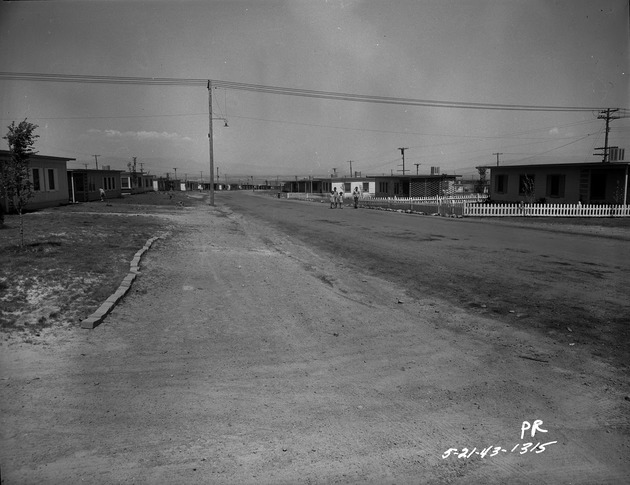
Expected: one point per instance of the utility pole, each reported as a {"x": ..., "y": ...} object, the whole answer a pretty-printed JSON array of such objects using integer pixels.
[
  {"x": 606, "y": 115},
  {"x": 417, "y": 165},
  {"x": 210, "y": 143},
  {"x": 175, "y": 173},
  {"x": 402, "y": 150},
  {"x": 96, "y": 160},
  {"x": 350, "y": 162},
  {"x": 134, "y": 177},
  {"x": 497, "y": 154},
  {"x": 85, "y": 165}
]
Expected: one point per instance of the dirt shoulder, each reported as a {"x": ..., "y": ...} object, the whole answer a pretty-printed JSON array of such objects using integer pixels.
[
  {"x": 242, "y": 356},
  {"x": 613, "y": 227},
  {"x": 74, "y": 257}
]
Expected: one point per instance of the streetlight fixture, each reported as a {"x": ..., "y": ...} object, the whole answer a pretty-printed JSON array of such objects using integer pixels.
[{"x": 210, "y": 141}]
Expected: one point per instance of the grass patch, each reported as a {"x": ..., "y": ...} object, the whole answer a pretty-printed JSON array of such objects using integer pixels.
[{"x": 74, "y": 258}]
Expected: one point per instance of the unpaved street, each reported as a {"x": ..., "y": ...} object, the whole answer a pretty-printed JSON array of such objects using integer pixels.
[{"x": 246, "y": 354}]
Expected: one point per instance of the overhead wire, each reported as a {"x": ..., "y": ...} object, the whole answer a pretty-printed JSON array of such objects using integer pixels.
[
  {"x": 90, "y": 79},
  {"x": 308, "y": 93}
]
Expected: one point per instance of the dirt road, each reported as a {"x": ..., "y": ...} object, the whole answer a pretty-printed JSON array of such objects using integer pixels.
[{"x": 242, "y": 355}]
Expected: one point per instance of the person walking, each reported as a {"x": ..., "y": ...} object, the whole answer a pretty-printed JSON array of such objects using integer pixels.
[
  {"x": 341, "y": 198},
  {"x": 101, "y": 192},
  {"x": 333, "y": 198},
  {"x": 355, "y": 196}
]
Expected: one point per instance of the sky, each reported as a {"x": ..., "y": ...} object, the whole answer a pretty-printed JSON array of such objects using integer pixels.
[{"x": 551, "y": 53}]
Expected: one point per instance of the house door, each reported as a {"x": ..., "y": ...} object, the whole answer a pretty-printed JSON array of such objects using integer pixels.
[
  {"x": 598, "y": 186},
  {"x": 405, "y": 188}
]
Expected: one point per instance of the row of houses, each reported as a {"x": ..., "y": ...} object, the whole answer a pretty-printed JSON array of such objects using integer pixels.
[
  {"x": 54, "y": 184},
  {"x": 378, "y": 186},
  {"x": 588, "y": 183},
  {"x": 571, "y": 183}
]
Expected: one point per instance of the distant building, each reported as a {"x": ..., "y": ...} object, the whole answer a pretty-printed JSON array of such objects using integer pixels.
[
  {"x": 378, "y": 185},
  {"x": 324, "y": 185},
  {"x": 136, "y": 182},
  {"x": 570, "y": 183},
  {"x": 415, "y": 185},
  {"x": 48, "y": 176},
  {"x": 366, "y": 186}
]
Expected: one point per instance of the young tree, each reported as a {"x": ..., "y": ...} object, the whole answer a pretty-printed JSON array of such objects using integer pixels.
[
  {"x": 480, "y": 185},
  {"x": 15, "y": 183}
]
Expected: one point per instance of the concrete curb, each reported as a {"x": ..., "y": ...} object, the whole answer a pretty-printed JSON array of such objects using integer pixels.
[{"x": 108, "y": 305}]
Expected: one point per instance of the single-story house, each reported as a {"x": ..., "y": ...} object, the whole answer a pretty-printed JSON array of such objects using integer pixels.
[
  {"x": 366, "y": 186},
  {"x": 136, "y": 183},
  {"x": 166, "y": 184},
  {"x": 84, "y": 184},
  {"x": 308, "y": 185},
  {"x": 324, "y": 185},
  {"x": 563, "y": 183},
  {"x": 415, "y": 185},
  {"x": 48, "y": 176}
]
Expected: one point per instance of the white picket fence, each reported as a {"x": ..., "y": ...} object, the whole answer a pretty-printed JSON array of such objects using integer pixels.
[
  {"x": 447, "y": 199},
  {"x": 471, "y": 206},
  {"x": 545, "y": 210},
  {"x": 445, "y": 207}
]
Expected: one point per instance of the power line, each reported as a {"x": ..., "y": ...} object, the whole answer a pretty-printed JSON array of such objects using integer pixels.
[
  {"x": 89, "y": 79},
  {"x": 110, "y": 117}
]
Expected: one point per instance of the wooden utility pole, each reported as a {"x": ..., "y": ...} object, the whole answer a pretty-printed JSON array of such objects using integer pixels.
[
  {"x": 497, "y": 154},
  {"x": 210, "y": 143},
  {"x": 417, "y": 165},
  {"x": 402, "y": 151},
  {"x": 350, "y": 162},
  {"x": 606, "y": 115},
  {"x": 96, "y": 160}
]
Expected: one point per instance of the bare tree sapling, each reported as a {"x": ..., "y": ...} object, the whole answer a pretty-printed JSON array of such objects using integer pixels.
[{"x": 15, "y": 181}]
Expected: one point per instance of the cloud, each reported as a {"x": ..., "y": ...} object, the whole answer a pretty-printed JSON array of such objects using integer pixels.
[{"x": 141, "y": 135}]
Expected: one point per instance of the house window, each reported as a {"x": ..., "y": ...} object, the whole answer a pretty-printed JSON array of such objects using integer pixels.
[
  {"x": 555, "y": 185},
  {"x": 91, "y": 184},
  {"x": 501, "y": 184},
  {"x": 124, "y": 182},
  {"x": 396, "y": 188},
  {"x": 347, "y": 187},
  {"x": 37, "y": 185},
  {"x": 383, "y": 187},
  {"x": 526, "y": 184},
  {"x": 366, "y": 186},
  {"x": 598, "y": 186},
  {"x": 51, "y": 179},
  {"x": 109, "y": 183}
]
